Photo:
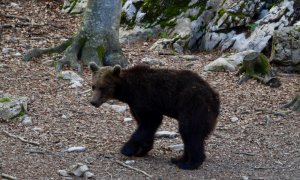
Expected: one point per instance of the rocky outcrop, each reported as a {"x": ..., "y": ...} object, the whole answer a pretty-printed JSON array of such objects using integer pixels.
[{"x": 286, "y": 47}]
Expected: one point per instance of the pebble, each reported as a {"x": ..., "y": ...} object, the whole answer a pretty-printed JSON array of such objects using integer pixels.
[
  {"x": 234, "y": 119},
  {"x": 166, "y": 134},
  {"x": 176, "y": 147},
  {"x": 129, "y": 162},
  {"x": 88, "y": 174},
  {"x": 37, "y": 129},
  {"x": 64, "y": 116},
  {"x": 127, "y": 119},
  {"x": 27, "y": 121},
  {"x": 17, "y": 54},
  {"x": 63, "y": 173},
  {"x": 76, "y": 149},
  {"x": 245, "y": 177},
  {"x": 7, "y": 50}
]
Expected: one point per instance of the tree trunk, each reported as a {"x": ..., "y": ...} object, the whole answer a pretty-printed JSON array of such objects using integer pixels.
[
  {"x": 294, "y": 104},
  {"x": 97, "y": 40}
]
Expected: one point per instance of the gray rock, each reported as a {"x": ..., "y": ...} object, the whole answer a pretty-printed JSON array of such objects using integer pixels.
[
  {"x": 76, "y": 149},
  {"x": 183, "y": 28},
  {"x": 7, "y": 50},
  {"x": 286, "y": 46},
  {"x": 88, "y": 174},
  {"x": 129, "y": 9},
  {"x": 163, "y": 43},
  {"x": 278, "y": 17},
  {"x": 176, "y": 147},
  {"x": 80, "y": 170},
  {"x": 189, "y": 57},
  {"x": 63, "y": 173},
  {"x": 229, "y": 63},
  {"x": 27, "y": 121},
  {"x": 12, "y": 106},
  {"x": 73, "y": 77},
  {"x": 138, "y": 33},
  {"x": 78, "y": 8},
  {"x": 119, "y": 108},
  {"x": 178, "y": 48},
  {"x": 166, "y": 134}
]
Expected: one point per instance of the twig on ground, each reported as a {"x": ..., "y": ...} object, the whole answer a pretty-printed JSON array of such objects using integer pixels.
[
  {"x": 6, "y": 176},
  {"x": 20, "y": 138},
  {"x": 14, "y": 16},
  {"x": 20, "y": 25},
  {"x": 130, "y": 167},
  {"x": 245, "y": 153},
  {"x": 260, "y": 167}
]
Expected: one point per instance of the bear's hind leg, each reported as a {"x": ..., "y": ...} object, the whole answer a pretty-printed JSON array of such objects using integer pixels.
[
  {"x": 141, "y": 142},
  {"x": 193, "y": 139}
]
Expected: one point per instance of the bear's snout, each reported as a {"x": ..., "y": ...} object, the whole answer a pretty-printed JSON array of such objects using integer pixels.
[{"x": 95, "y": 103}]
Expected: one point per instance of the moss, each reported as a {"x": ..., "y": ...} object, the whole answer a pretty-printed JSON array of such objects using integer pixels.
[
  {"x": 164, "y": 24},
  {"x": 163, "y": 35},
  {"x": 158, "y": 11},
  {"x": 264, "y": 66},
  {"x": 221, "y": 12},
  {"x": 101, "y": 53},
  {"x": 251, "y": 26},
  {"x": 201, "y": 28},
  {"x": 5, "y": 99}
]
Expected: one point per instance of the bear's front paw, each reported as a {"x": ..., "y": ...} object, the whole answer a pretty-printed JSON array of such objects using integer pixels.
[{"x": 130, "y": 149}]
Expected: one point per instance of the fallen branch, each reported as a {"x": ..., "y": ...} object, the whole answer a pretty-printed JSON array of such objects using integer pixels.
[
  {"x": 20, "y": 138},
  {"x": 130, "y": 167},
  {"x": 6, "y": 176}
]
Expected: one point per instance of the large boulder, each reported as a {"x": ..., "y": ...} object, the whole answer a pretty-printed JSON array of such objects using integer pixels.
[{"x": 286, "y": 47}]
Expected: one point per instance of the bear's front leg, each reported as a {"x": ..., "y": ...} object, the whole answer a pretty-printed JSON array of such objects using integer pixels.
[{"x": 141, "y": 142}]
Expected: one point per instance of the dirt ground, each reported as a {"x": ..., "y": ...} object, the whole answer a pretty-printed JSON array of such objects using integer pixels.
[{"x": 254, "y": 137}]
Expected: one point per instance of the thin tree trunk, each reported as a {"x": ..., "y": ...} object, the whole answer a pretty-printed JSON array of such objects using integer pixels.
[{"x": 96, "y": 41}]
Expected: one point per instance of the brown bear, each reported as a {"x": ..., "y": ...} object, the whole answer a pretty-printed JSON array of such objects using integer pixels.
[{"x": 152, "y": 93}]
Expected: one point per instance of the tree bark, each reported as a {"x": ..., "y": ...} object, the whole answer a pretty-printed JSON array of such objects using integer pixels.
[{"x": 96, "y": 41}]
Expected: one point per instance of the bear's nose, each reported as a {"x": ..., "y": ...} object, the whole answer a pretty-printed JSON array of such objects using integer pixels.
[{"x": 95, "y": 103}]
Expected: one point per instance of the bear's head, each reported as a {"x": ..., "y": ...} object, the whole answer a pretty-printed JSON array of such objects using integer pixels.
[{"x": 104, "y": 80}]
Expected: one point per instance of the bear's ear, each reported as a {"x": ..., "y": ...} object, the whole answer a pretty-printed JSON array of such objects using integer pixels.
[
  {"x": 116, "y": 70},
  {"x": 93, "y": 67}
]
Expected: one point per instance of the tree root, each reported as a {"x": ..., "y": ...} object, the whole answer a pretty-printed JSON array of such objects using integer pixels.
[
  {"x": 36, "y": 52},
  {"x": 295, "y": 104}
]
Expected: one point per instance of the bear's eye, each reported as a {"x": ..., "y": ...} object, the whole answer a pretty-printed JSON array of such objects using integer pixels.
[{"x": 93, "y": 88}]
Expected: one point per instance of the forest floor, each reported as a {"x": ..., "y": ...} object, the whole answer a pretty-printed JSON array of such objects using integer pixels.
[{"x": 254, "y": 137}]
